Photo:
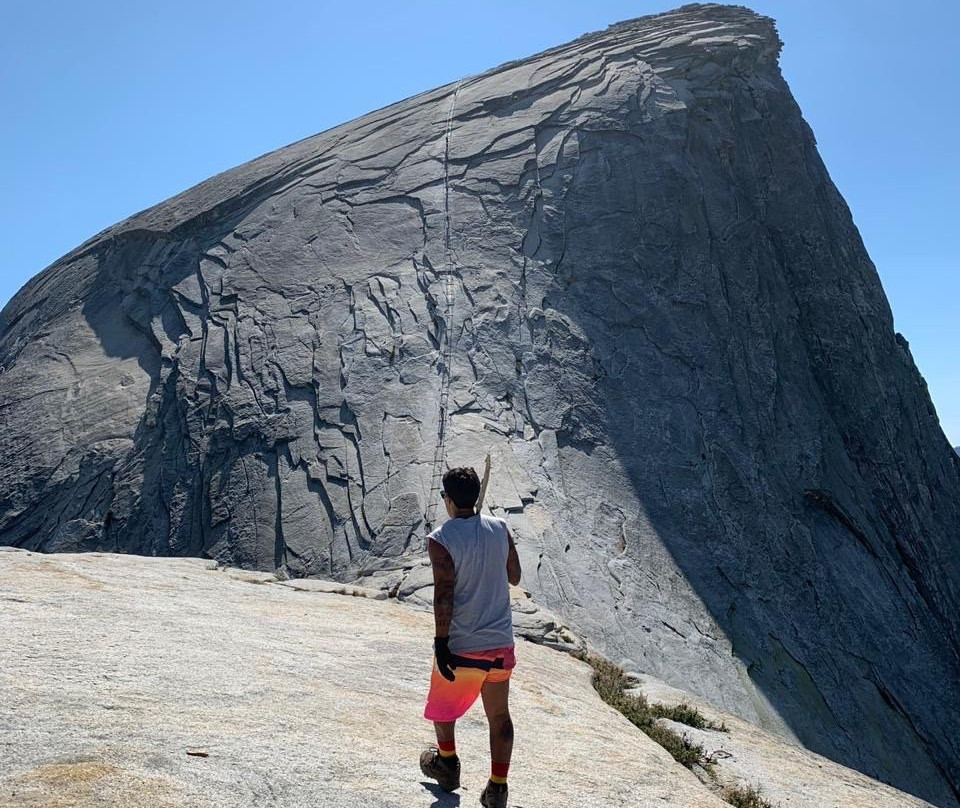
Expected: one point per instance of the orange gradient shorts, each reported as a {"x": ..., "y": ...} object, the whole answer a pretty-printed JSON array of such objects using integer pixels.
[{"x": 448, "y": 701}]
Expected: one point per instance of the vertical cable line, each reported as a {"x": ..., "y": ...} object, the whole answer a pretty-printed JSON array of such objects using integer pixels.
[{"x": 446, "y": 338}]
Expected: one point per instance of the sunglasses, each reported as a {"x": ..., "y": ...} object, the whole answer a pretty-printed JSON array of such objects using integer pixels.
[{"x": 443, "y": 495}]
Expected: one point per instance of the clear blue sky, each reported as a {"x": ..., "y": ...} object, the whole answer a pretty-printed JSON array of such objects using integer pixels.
[{"x": 108, "y": 107}]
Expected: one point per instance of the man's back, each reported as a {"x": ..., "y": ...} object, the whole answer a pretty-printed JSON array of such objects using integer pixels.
[{"x": 479, "y": 547}]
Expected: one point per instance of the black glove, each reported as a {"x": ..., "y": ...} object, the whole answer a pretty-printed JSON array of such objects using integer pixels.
[{"x": 444, "y": 657}]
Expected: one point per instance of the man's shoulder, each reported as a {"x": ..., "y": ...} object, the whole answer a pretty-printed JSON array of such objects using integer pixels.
[
  {"x": 443, "y": 533},
  {"x": 437, "y": 545},
  {"x": 495, "y": 521}
]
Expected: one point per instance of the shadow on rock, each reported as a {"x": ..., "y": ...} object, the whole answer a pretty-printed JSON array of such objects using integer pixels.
[{"x": 441, "y": 798}]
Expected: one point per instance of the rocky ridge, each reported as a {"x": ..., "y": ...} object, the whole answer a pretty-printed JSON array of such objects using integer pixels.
[
  {"x": 175, "y": 682},
  {"x": 621, "y": 268}
]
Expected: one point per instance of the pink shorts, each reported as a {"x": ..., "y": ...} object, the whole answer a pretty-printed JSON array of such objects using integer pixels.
[{"x": 448, "y": 701}]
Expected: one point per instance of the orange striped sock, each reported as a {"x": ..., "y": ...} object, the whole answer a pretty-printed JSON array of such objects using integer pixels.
[
  {"x": 448, "y": 749},
  {"x": 498, "y": 773}
]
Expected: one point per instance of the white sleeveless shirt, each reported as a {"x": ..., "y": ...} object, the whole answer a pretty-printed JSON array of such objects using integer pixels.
[{"x": 478, "y": 546}]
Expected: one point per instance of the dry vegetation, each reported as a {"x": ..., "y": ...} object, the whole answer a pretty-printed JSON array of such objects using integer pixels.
[{"x": 611, "y": 682}]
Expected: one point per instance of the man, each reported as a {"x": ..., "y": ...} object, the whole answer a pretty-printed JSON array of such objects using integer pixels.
[{"x": 474, "y": 560}]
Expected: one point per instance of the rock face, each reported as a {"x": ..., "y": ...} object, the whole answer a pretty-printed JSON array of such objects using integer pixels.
[
  {"x": 175, "y": 683},
  {"x": 618, "y": 266}
]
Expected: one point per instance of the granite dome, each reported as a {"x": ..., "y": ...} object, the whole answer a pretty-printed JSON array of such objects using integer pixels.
[{"x": 621, "y": 268}]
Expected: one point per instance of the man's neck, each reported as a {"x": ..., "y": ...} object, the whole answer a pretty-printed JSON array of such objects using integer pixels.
[{"x": 463, "y": 513}]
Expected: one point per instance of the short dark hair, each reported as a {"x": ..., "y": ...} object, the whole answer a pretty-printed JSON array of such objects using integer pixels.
[{"x": 462, "y": 486}]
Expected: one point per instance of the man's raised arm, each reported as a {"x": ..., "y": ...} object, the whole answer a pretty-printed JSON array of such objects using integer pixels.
[{"x": 513, "y": 561}]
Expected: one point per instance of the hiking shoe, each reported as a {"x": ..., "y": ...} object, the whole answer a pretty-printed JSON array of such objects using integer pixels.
[
  {"x": 446, "y": 771},
  {"x": 494, "y": 795}
]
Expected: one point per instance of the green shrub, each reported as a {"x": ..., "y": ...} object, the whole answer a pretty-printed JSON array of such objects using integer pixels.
[
  {"x": 745, "y": 797},
  {"x": 610, "y": 681},
  {"x": 685, "y": 714},
  {"x": 685, "y": 753}
]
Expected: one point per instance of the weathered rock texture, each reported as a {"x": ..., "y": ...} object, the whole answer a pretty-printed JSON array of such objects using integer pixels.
[
  {"x": 623, "y": 268},
  {"x": 308, "y": 699}
]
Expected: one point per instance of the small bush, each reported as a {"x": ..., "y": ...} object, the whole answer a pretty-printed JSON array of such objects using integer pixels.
[
  {"x": 610, "y": 682},
  {"x": 685, "y": 753},
  {"x": 745, "y": 797},
  {"x": 685, "y": 714}
]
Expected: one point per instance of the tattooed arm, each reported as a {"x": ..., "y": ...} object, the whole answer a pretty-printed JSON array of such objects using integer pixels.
[
  {"x": 513, "y": 561},
  {"x": 443, "y": 579}
]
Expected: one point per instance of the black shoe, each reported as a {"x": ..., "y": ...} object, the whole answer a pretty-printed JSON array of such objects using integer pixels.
[
  {"x": 494, "y": 795},
  {"x": 445, "y": 770}
]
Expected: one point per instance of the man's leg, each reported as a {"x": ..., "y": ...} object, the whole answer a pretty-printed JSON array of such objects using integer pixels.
[
  {"x": 442, "y": 764},
  {"x": 446, "y": 737},
  {"x": 495, "y": 697},
  {"x": 446, "y": 702}
]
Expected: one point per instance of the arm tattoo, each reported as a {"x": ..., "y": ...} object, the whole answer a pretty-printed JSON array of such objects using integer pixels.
[{"x": 444, "y": 577}]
